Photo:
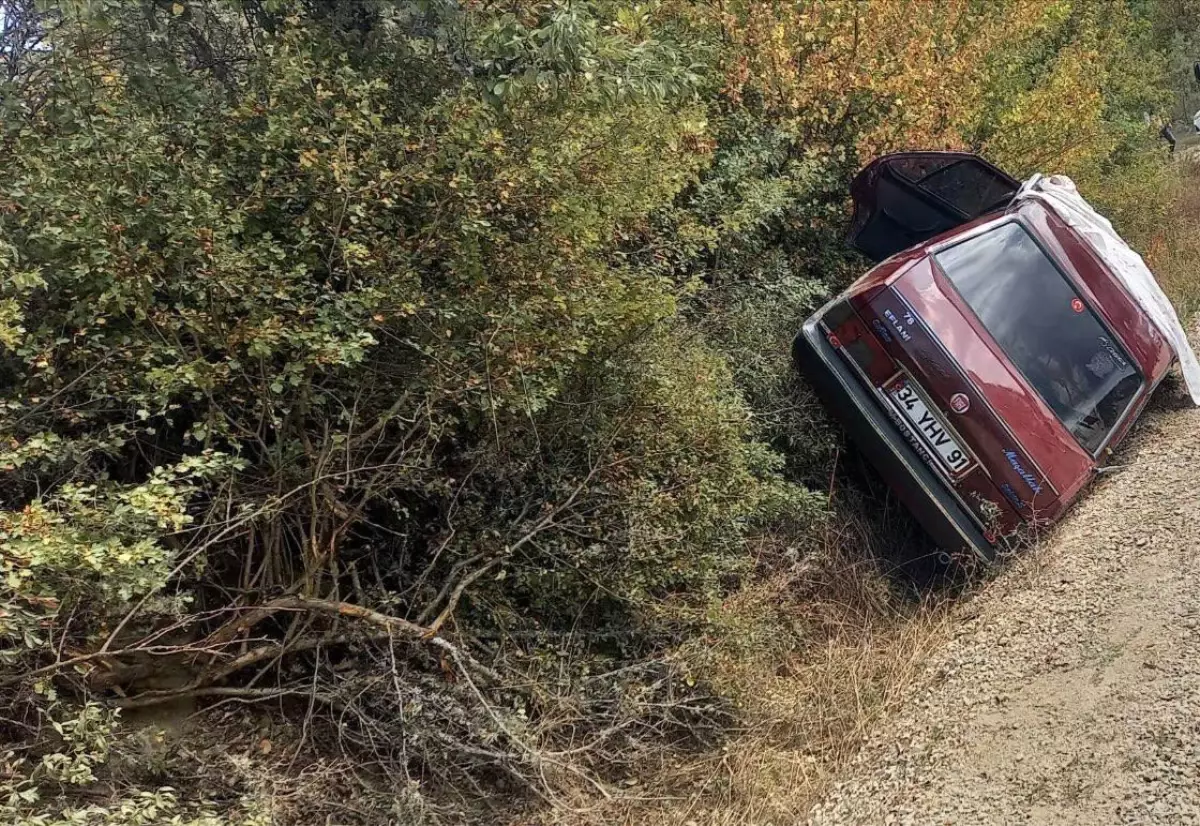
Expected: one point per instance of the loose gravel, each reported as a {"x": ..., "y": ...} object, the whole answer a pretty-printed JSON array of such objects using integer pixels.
[{"x": 1070, "y": 693}]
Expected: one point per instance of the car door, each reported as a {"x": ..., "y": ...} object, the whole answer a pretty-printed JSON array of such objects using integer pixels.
[{"x": 905, "y": 198}]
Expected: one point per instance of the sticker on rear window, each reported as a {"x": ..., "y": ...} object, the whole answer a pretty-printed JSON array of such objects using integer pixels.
[{"x": 1112, "y": 350}]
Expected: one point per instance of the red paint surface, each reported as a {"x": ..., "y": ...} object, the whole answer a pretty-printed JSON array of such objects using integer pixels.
[{"x": 947, "y": 351}]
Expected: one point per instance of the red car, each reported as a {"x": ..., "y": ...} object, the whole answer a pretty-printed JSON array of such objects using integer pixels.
[{"x": 991, "y": 361}]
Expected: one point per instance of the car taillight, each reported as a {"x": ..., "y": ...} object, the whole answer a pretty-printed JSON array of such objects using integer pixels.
[
  {"x": 846, "y": 331},
  {"x": 838, "y": 314},
  {"x": 861, "y": 353}
]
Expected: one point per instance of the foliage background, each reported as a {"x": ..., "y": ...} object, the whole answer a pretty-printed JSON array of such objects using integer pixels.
[{"x": 411, "y": 378}]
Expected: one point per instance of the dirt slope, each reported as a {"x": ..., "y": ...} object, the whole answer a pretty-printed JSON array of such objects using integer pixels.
[{"x": 1071, "y": 692}]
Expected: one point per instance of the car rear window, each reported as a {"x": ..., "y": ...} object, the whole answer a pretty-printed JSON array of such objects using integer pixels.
[{"x": 1045, "y": 328}]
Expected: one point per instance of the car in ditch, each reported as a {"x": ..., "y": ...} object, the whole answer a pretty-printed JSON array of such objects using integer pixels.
[{"x": 991, "y": 360}]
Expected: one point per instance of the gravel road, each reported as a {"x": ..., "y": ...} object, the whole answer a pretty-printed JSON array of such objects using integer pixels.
[{"x": 1070, "y": 693}]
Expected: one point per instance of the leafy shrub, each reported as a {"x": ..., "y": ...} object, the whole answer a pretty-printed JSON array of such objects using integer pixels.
[
  {"x": 428, "y": 362},
  {"x": 84, "y": 740}
]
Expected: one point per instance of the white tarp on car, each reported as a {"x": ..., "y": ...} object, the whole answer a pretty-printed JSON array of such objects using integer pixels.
[{"x": 1058, "y": 192}]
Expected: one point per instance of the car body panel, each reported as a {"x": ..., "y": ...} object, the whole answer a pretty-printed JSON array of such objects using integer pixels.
[
  {"x": 938, "y": 510},
  {"x": 994, "y": 393},
  {"x": 1001, "y": 422},
  {"x": 905, "y": 318}
]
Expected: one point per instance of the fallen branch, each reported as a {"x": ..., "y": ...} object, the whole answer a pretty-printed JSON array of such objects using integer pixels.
[
  {"x": 256, "y": 695},
  {"x": 410, "y": 629},
  {"x": 387, "y": 624},
  {"x": 268, "y": 652},
  {"x": 102, "y": 656},
  {"x": 437, "y": 624}
]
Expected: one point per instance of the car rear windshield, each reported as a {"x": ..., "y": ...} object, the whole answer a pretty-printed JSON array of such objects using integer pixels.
[{"x": 1045, "y": 328}]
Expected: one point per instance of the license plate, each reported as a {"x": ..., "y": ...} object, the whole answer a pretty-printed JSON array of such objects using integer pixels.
[{"x": 928, "y": 427}]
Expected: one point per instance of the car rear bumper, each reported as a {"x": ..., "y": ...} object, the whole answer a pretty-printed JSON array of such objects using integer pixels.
[{"x": 937, "y": 510}]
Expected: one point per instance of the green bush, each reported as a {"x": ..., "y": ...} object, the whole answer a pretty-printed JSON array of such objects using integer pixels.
[
  {"x": 425, "y": 361},
  {"x": 84, "y": 741},
  {"x": 374, "y": 332}
]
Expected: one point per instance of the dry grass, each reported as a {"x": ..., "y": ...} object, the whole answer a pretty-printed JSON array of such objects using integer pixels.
[
  {"x": 807, "y": 722},
  {"x": 814, "y": 654}
]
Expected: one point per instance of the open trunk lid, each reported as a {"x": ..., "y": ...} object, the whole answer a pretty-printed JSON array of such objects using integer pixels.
[{"x": 903, "y": 199}]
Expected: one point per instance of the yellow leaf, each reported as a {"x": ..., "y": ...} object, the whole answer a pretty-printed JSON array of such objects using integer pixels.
[{"x": 177, "y": 9}]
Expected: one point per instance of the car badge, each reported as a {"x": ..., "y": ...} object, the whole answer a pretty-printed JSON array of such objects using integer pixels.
[{"x": 959, "y": 403}]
